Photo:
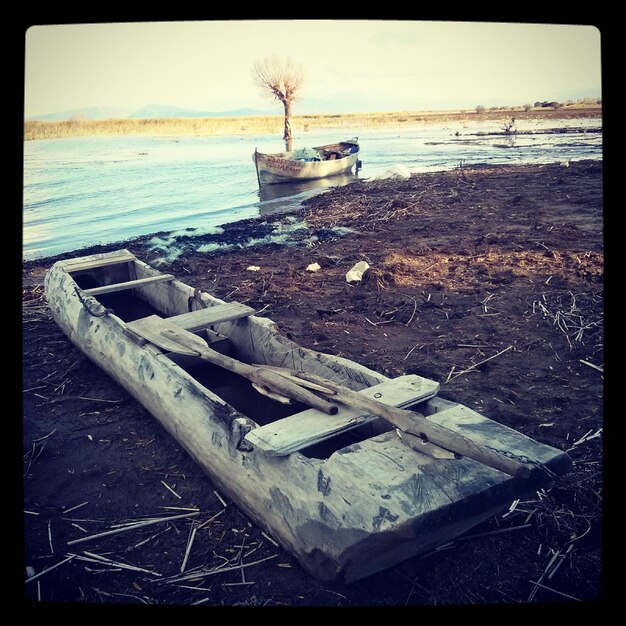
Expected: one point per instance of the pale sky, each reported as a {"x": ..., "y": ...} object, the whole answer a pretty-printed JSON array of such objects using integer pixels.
[{"x": 351, "y": 66}]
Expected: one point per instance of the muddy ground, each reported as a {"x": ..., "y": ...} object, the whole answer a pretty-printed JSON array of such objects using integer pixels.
[{"x": 465, "y": 265}]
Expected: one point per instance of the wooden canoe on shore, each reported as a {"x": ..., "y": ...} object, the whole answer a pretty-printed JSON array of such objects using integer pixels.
[
  {"x": 299, "y": 165},
  {"x": 345, "y": 493}
]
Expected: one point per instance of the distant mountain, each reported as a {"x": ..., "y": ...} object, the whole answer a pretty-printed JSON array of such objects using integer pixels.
[
  {"x": 156, "y": 111},
  {"x": 150, "y": 111},
  {"x": 89, "y": 113}
]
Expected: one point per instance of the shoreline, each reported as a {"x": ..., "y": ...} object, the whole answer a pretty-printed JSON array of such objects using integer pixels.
[
  {"x": 260, "y": 230},
  {"x": 273, "y": 124}
]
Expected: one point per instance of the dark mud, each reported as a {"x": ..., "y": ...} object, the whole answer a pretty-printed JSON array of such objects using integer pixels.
[{"x": 464, "y": 265}]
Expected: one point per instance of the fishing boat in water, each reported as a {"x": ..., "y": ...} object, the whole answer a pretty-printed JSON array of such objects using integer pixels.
[
  {"x": 351, "y": 471},
  {"x": 307, "y": 163}
]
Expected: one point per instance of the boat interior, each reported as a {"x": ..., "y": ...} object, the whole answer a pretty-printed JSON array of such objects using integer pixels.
[
  {"x": 321, "y": 153},
  {"x": 134, "y": 291}
]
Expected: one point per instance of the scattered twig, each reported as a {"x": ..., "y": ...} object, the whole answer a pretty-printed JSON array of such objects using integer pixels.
[
  {"x": 579, "y": 537},
  {"x": 333, "y": 592},
  {"x": 68, "y": 369},
  {"x": 134, "y": 522},
  {"x": 511, "y": 508},
  {"x": 141, "y": 543},
  {"x": 239, "y": 559},
  {"x": 411, "y": 350},
  {"x": 568, "y": 317},
  {"x": 586, "y": 437},
  {"x": 61, "y": 386},
  {"x": 50, "y": 536},
  {"x": 217, "y": 495},
  {"x": 379, "y": 323},
  {"x": 129, "y": 595},
  {"x": 181, "y": 508},
  {"x": 475, "y": 365},
  {"x": 211, "y": 519},
  {"x": 595, "y": 367},
  {"x": 414, "y": 311},
  {"x": 45, "y": 571},
  {"x": 269, "y": 538},
  {"x": 170, "y": 489},
  {"x": 560, "y": 593},
  {"x": 79, "y": 527},
  {"x": 543, "y": 575},
  {"x": 133, "y": 527},
  {"x": 34, "y": 458},
  {"x": 96, "y": 558},
  {"x": 219, "y": 570},
  {"x": 75, "y": 507},
  {"x": 563, "y": 556},
  {"x": 33, "y": 388},
  {"x": 192, "y": 536},
  {"x": 100, "y": 571}
]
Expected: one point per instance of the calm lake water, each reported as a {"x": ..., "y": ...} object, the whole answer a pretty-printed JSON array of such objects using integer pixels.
[{"x": 84, "y": 191}]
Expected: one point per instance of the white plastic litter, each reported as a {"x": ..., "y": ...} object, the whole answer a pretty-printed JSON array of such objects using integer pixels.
[
  {"x": 313, "y": 267},
  {"x": 253, "y": 268},
  {"x": 355, "y": 274}
]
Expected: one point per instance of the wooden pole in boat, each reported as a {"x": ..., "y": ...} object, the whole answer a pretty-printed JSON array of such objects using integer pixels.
[
  {"x": 173, "y": 338},
  {"x": 418, "y": 425}
]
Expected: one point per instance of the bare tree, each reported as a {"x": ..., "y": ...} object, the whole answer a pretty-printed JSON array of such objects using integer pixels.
[{"x": 280, "y": 79}]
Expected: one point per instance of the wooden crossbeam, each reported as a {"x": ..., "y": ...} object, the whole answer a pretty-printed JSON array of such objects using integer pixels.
[
  {"x": 131, "y": 284},
  {"x": 309, "y": 427},
  {"x": 88, "y": 263},
  {"x": 197, "y": 320}
]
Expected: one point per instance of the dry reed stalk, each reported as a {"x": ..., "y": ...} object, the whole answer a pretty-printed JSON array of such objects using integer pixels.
[{"x": 131, "y": 527}]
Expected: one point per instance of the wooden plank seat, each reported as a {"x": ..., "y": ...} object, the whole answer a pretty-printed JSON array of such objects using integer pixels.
[
  {"x": 130, "y": 284},
  {"x": 142, "y": 331},
  {"x": 97, "y": 260},
  {"x": 309, "y": 427},
  {"x": 197, "y": 320}
]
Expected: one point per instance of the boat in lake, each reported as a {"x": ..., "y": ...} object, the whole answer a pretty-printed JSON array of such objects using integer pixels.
[
  {"x": 307, "y": 163},
  {"x": 380, "y": 470}
]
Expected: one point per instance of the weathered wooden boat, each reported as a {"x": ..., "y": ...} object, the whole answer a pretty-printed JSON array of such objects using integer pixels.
[
  {"x": 298, "y": 165},
  {"x": 347, "y": 493}
]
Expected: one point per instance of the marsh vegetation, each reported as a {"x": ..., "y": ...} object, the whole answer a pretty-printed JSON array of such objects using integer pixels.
[{"x": 272, "y": 124}]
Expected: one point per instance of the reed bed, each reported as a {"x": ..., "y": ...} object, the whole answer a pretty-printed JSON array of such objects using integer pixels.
[{"x": 273, "y": 124}]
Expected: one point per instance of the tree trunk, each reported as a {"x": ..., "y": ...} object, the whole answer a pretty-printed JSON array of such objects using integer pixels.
[{"x": 287, "y": 134}]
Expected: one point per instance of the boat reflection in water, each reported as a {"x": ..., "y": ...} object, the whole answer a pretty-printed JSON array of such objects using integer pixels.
[{"x": 278, "y": 198}]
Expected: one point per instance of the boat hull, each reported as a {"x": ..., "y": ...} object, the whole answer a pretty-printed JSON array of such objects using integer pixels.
[
  {"x": 282, "y": 168},
  {"x": 273, "y": 170},
  {"x": 363, "y": 509}
]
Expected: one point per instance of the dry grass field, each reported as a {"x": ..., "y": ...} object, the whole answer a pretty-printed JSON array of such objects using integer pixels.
[{"x": 273, "y": 124}]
